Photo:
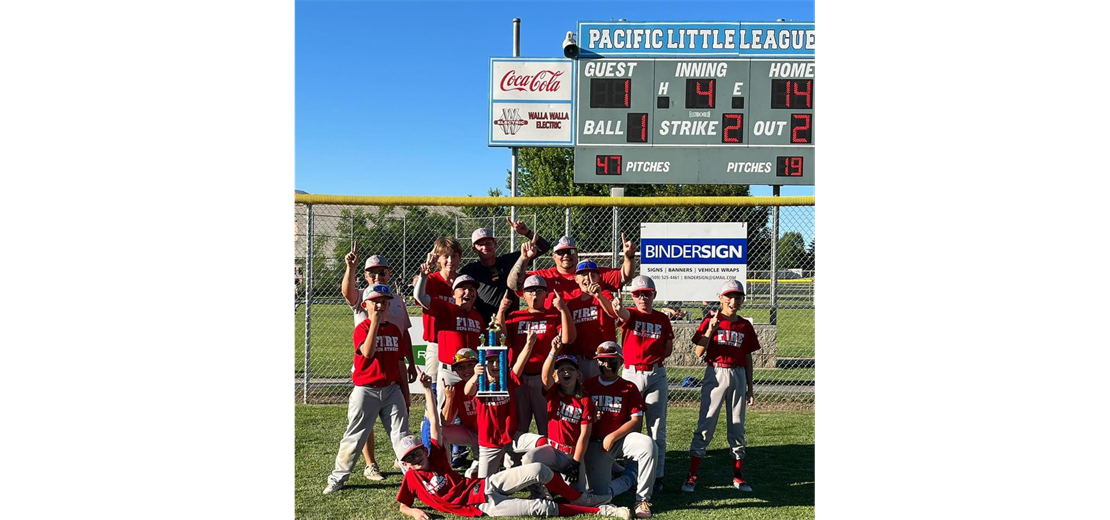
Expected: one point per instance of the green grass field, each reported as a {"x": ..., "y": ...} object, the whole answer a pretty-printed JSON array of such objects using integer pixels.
[{"x": 779, "y": 466}]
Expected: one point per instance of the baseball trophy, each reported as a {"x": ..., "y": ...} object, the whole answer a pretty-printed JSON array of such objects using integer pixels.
[{"x": 485, "y": 387}]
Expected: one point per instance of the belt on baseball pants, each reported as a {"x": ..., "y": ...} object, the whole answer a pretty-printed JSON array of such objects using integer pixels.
[
  {"x": 725, "y": 365},
  {"x": 644, "y": 367},
  {"x": 565, "y": 448}
]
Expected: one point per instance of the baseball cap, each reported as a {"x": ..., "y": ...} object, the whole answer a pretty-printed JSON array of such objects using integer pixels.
[
  {"x": 378, "y": 291},
  {"x": 534, "y": 281},
  {"x": 643, "y": 283},
  {"x": 609, "y": 349},
  {"x": 490, "y": 352},
  {"x": 731, "y": 286},
  {"x": 568, "y": 358},
  {"x": 407, "y": 444},
  {"x": 376, "y": 261},
  {"x": 585, "y": 265},
  {"x": 464, "y": 279},
  {"x": 565, "y": 242},
  {"x": 464, "y": 355},
  {"x": 481, "y": 233}
]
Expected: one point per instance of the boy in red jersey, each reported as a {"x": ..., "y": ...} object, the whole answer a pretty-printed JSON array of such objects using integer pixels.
[
  {"x": 591, "y": 324},
  {"x": 429, "y": 477},
  {"x": 727, "y": 342},
  {"x": 379, "y": 348},
  {"x": 647, "y": 340},
  {"x": 619, "y": 408},
  {"x": 548, "y": 325},
  {"x": 445, "y": 255}
]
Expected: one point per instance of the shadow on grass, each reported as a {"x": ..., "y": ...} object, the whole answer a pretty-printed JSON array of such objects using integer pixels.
[{"x": 779, "y": 476}]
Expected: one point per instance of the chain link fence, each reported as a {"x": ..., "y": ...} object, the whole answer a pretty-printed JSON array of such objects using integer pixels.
[{"x": 779, "y": 238}]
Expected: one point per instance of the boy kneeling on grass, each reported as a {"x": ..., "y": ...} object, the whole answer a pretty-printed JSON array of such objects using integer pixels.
[{"x": 429, "y": 477}]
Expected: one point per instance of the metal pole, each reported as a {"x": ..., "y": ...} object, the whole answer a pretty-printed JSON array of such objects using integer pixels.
[
  {"x": 512, "y": 210},
  {"x": 566, "y": 223},
  {"x": 308, "y": 307},
  {"x": 775, "y": 260},
  {"x": 616, "y": 191},
  {"x": 404, "y": 246}
]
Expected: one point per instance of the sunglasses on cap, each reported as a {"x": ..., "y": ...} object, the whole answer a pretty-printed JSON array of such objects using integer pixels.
[{"x": 605, "y": 350}]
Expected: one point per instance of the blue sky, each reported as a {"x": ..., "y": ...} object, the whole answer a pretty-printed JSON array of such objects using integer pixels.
[{"x": 392, "y": 97}]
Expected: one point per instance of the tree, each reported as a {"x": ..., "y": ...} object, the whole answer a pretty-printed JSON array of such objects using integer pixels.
[
  {"x": 378, "y": 230},
  {"x": 549, "y": 172},
  {"x": 792, "y": 250},
  {"x": 811, "y": 256}
]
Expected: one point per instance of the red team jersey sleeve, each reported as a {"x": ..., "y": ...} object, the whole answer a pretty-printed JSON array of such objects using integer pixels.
[
  {"x": 406, "y": 345},
  {"x": 441, "y": 487},
  {"x": 610, "y": 278},
  {"x": 465, "y": 408},
  {"x": 497, "y": 417},
  {"x": 436, "y": 289},
  {"x": 438, "y": 309},
  {"x": 405, "y": 494},
  {"x": 382, "y": 369},
  {"x": 732, "y": 343},
  {"x": 614, "y": 403},
  {"x": 589, "y": 326},
  {"x": 547, "y": 325},
  {"x": 645, "y": 337},
  {"x": 565, "y": 416},
  {"x": 455, "y": 329}
]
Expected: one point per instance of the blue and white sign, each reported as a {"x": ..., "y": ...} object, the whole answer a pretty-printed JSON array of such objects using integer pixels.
[
  {"x": 721, "y": 39},
  {"x": 689, "y": 261},
  {"x": 694, "y": 251},
  {"x": 531, "y": 102}
]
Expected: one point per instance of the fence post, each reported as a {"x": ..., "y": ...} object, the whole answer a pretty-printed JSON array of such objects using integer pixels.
[
  {"x": 308, "y": 306},
  {"x": 566, "y": 223},
  {"x": 775, "y": 261},
  {"x": 616, "y": 191},
  {"x": 404, "y": 246}
]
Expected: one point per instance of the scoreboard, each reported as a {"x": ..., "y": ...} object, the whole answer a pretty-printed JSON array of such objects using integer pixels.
[{"x": 719, "y": 104}]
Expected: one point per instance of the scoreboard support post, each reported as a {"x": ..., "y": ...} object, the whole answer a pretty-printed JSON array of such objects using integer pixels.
[
  {"x": 775, "y": 260},
  {"x": 512, "y": 209},
  {"x": 616, "y": 191}
]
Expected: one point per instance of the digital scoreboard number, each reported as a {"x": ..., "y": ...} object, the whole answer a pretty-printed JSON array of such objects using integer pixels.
[{"x": 678, "y": 120}]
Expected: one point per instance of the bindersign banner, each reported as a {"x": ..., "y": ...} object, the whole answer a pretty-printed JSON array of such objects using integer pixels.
[{"x": 689, "y": 261}]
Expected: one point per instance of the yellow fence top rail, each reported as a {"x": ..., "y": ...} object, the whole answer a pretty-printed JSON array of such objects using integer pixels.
[{"x": 626, "y": 202}]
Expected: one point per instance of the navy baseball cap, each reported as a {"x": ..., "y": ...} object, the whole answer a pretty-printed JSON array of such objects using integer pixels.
[
  {"x": 585, "y": 265},
  {"x": 568, "y": 358}
]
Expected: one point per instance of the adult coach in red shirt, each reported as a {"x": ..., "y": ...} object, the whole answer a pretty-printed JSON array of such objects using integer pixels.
[{"x": 560, "y": 279}]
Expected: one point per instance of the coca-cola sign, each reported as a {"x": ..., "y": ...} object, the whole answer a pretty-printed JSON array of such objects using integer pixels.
[
  {"x": 542, "y": 81},
  {"x": 531, "y": 102}
]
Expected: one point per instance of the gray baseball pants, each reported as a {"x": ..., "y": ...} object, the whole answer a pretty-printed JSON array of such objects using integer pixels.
[
  {"x": 490, "y": 459},
  {"x": 653, "y": 386},
  {"x": 531, "y": 403},
  {"x": 599, "y": 471},
  {"x": 721, "y": 386},
  {"x": 501, "y": 486},
  {"x": 364, "y": 407}
]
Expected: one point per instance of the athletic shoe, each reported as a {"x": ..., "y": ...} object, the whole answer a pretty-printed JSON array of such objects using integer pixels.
[
  {"x": 691, "y": 481},
  {"x": 610, "y": 510},
  {"x": 658, "y": 486},
  {"x": 396, "y": 464},
  {"x": 591, "y": 500},
  {"x": 332, "y": 487},
  {"x": 371, "y": 472},
  {"x": 461, "y": 461},
  {"x": 539, "y": 492},
  {"x": 643, "y": 509},
  {"x": 739, "y": 483}
]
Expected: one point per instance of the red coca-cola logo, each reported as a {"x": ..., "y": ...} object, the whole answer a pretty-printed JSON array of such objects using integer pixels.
[{"x": 542, "y": 81}]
